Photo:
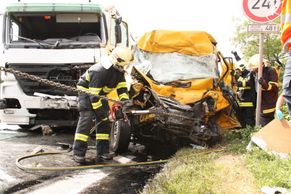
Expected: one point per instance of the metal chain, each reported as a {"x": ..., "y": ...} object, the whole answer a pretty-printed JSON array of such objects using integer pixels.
[
  {"x": 53, "y": 84},
  {"x": 70, "y": 88}
]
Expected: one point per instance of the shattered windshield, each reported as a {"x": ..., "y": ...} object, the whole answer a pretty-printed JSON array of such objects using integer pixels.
[
  {"x": 54, "y": 30},
  {"x": 168, "y": 67}
]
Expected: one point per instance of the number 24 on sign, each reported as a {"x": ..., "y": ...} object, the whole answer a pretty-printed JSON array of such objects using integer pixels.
[{"x": 258, "y": 4}]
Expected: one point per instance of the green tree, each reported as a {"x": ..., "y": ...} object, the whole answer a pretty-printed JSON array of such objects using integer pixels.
[{"x": 248, "y": 43}]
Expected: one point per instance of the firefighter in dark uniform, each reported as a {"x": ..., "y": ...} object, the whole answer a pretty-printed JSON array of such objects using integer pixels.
[
  {"x": 246, "y": 92},
  {"x": 269, "y": 84},
  {"x": 100, "y": 79}
]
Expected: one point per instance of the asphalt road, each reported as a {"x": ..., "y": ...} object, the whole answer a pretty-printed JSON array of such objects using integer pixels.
[{"x": 16, "y": 143}]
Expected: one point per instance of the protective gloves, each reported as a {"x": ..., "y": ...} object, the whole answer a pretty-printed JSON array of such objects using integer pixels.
[
  {"x": 263, "y": 83},
  {"x": 119, "y": 114},
  {"x": 279, "y": 114},
  {"x": 116, "y": 112}
]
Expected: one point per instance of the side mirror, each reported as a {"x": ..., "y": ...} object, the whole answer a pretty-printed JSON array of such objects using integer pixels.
[
  {"x": 118, "y": 20},
  {"x": 118, "y": 34}
]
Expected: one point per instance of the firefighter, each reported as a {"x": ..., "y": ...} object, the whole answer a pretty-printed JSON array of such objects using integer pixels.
[
  {"x": 246, "y": 93},
  {"x": 286, "y": 42},
  {"x": 269, "y": 84},
  {"x": 100, "y": 79}
]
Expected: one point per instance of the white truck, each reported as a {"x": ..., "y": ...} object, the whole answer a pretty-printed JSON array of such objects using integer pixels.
[{"x": 55, "y": 41}]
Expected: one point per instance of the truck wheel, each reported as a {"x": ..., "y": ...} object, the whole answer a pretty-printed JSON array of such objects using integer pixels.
[{"x": 120, "y": 136}]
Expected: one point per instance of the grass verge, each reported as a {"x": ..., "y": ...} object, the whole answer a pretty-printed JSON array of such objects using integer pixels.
[
  {"x": 269, "y": 170},
  {"x": 232, "y": 171},
  {"x": 183, "y": 174}
]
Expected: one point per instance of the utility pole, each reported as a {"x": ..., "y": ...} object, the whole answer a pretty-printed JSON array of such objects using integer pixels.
[{"x": 260, "y": 73}]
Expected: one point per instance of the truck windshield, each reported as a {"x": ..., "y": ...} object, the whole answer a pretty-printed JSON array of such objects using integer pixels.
[
  {"x": 168, "y": 67},
  {"x": 54, "y": 30}
]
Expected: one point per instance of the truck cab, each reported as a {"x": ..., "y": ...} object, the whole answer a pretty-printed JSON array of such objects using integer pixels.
[{"x": 57, "y": 42}]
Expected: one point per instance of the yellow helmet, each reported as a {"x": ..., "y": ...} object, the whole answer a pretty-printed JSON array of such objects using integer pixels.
[{"x": 121, "y": 56}]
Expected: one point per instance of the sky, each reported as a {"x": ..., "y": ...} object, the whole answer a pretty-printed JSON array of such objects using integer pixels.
[{"x": 213, "y": 16}]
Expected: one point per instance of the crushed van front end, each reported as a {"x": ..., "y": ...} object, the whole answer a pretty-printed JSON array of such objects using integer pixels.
[{"x": 178, "y": 93}]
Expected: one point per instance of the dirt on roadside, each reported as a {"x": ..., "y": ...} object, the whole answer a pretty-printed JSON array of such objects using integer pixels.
[{"x": 237, "y": 179}]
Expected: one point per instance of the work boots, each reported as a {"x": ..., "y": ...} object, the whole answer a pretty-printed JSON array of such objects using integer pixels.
[
  {"x": 79, "y": 159},
  {"x": 103, "y": 157},
  {"x": 103, "y": 151},
  {"x": 107, "y": 156}
]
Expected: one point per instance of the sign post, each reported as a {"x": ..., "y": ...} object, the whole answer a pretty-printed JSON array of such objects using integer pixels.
[{"x": 261, "y": 11}]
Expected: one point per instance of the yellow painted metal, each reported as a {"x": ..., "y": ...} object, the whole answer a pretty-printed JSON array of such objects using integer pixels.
[
  {"x": 191, "y": 43},
  {"x": 185, "y": 42}
]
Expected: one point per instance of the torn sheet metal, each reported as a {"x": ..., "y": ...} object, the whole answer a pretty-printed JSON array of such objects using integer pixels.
[{"x": 275, "y": 137}]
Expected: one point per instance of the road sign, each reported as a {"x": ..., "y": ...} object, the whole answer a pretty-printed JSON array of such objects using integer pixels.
[
  {"x": 264, "y": 28},
  {"x": 262, "y": 11}
]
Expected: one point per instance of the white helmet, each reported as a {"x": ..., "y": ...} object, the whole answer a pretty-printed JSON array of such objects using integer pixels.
[
  {"x": 241, "y": 65},
  {"x": 121, "y": 57}
]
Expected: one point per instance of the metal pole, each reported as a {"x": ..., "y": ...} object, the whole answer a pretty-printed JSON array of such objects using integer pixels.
[{"x": 260, "y": 72}]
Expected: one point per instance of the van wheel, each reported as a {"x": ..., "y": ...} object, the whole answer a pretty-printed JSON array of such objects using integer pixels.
[{"x": 120, "y": 136}]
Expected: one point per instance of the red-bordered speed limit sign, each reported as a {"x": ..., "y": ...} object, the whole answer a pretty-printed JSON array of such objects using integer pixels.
[{"x": 262, "y": 11}]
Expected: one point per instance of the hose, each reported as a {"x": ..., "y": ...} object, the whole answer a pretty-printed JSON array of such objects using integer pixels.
[{"x": 46, "y": 168}]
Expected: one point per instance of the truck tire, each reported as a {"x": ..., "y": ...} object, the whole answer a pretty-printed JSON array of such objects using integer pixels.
[{"x": 120, "y": 136}]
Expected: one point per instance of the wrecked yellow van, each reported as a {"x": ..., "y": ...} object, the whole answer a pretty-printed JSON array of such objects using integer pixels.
[{"x": 180, "y": 93}]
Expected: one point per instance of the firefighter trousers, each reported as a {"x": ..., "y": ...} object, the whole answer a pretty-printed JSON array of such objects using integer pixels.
[
  {"x": 266, "y": 118},
  {"x": 247, "y": 116},
  {"x": 85, "y": 124}
]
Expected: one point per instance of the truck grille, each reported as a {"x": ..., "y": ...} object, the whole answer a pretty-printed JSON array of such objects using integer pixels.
[{"x": 64, "y": 74}]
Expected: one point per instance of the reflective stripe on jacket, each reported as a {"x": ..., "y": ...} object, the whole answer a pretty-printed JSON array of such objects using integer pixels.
[
  {"x": 245, "y": 104},
  {"x": 246, "y": 91},
  {"x": 100, "y": 81}
]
